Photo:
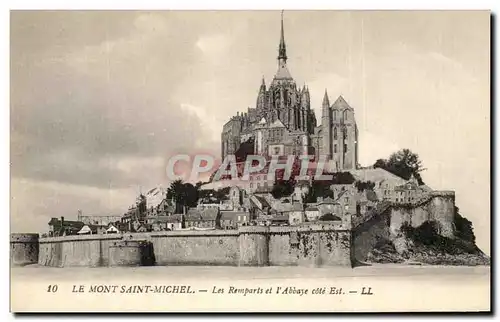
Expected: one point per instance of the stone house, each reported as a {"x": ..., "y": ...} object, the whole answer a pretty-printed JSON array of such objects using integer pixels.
[
  {"x": 408, "y": 192},
  {"x": 233, "y": 219},
  {"x": 294, "y": 212},
  {"x": 329, "y": 206},
  {"x": 225, "y": 205},
  {"x": 172, "y": 222},
  {"x": 312, "y": 213},
  {"x": 201, "y": 219},
  {"x": 296, "y": 218},
  {"x": 280, "y": 219}
]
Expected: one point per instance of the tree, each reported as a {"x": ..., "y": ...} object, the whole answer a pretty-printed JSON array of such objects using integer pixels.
[
  {"x": 317, "y": 189},
  {"x": 184, "y": 194},
  {"x": 402, "y": 163},
  {"x": 364, "y": 185},
  {"x": 282, "y": 188}
]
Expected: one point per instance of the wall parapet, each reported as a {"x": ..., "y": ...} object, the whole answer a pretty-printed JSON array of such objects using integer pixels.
[
  {"x": 24, "y": 238},
  {"x": 443, "y": 193},
  {"x": 73, "y": 238},
  {"x": 195, "y": 233}
]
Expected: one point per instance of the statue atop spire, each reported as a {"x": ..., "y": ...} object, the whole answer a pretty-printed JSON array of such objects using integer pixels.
[{"x": 282, "y": 47}]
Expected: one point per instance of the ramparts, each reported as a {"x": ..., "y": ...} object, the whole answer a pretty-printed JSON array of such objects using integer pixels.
[
  {"x": 24, "y": 249},
  {"x": 437, "y": 206},
  {"x": 316, "y": 244},
  {"x": 308, "y": 245}
]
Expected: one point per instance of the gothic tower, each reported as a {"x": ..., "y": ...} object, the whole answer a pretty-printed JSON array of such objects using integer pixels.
[
  {"x": 326, "y": 126},
  {"x": 282, "y": 100},
  {"x": 344, "y": 136}
]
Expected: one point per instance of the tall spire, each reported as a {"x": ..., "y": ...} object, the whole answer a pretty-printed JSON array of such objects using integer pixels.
[
  {"x": 282, "y": 47},
  {"x": 282, "y": 73}
]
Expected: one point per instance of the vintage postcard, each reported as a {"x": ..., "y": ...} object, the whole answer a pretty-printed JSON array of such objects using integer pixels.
[{"x": 250, "y": 161}]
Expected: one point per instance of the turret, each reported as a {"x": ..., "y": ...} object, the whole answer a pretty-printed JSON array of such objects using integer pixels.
[
  {"x": 261, "y": 97},
  {"x": 305, "y": 100},
  {"x": 326, "y": 127}
]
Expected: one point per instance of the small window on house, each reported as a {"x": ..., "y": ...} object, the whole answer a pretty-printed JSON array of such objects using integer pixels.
[
  {"x": 334, "y": 133},
  {"x": 335, "y": 148}
]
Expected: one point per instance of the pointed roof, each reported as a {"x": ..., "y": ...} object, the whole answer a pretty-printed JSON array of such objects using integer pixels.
[
  {"x": 283, "y": 73},
  {"x": 326, "y": 101},
  {"x": 340, "y": 103},
  {"x": 111, "y": 229},
  {"x": 327, "y": 200},
  {"x": 85, "y": 230},
  {"x": 262, "y": 121},
  {"x": 276, "y": 124}
]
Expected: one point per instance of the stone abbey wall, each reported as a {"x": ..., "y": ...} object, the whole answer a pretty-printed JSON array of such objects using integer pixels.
[
  {"x": 310, "y": 245},
  {"x": 438, "y": 206}
]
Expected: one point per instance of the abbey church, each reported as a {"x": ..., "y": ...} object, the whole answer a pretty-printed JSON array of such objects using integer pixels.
[{"x": 282, "y": 123}]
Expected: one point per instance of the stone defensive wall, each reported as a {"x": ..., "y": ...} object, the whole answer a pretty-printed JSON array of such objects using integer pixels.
[
  {"x": 436, "y": 206},
  {"x": 316, "y": 244},
  {"x": 308, "y": 245},
  {"x": 24, "y": 249}
]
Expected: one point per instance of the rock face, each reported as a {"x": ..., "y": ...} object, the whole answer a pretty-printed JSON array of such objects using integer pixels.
[{"x": 424, "y": 246}]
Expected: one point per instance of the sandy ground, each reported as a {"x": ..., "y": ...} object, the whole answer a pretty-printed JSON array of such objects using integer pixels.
[
  {"x": 37, "y": 272},
  {"x": 395, "y": 288}
]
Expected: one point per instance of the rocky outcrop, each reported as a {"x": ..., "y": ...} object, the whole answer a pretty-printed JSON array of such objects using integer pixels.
[{"x": 424, "y": 246}]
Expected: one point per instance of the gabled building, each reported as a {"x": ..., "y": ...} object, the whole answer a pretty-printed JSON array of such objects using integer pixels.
[{"x": 62, "y": 227}]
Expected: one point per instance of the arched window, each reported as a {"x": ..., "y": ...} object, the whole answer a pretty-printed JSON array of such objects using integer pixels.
[
  {"x": 334, "y": 115},
  {"x": 334, "y": 133},
  {"x": 345, "y": 115}
]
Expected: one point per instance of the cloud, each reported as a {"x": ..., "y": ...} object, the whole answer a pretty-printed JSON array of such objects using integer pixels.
[
  {"x": 80, "y": 117},
  {"x": 37, "y": 201},
  {"x": 214, "y": 46}
]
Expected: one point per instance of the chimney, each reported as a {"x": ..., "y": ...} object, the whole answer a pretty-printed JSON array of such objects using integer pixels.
[{"x": 62, "y": 220}]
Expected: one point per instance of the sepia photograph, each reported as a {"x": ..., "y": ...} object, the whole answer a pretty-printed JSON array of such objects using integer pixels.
[{"x": 250, "y": 161}]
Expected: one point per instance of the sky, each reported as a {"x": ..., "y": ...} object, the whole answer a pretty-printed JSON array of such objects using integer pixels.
[{"x": 100, "y": 99}]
